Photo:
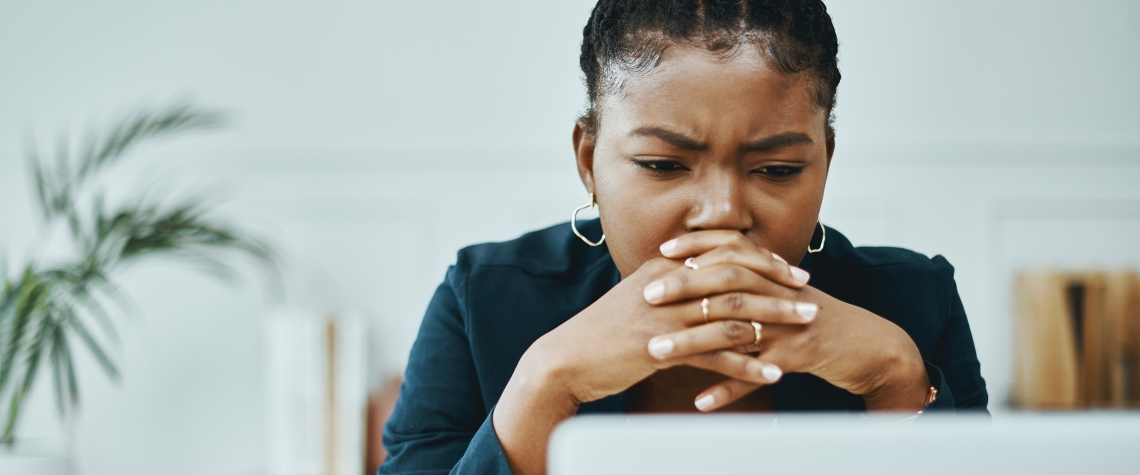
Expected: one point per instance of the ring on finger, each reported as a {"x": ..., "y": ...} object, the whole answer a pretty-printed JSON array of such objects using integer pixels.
[
  {"x": 692, "y": 264},
  {"x": 705, "y": 310},
  {"x": 756, "y": 326}
]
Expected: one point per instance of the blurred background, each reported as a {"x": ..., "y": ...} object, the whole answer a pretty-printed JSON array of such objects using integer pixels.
[{"x": 371, "y": 140}]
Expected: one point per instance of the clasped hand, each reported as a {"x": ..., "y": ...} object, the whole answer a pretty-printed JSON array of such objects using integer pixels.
[{"x": 654, "y": 319}]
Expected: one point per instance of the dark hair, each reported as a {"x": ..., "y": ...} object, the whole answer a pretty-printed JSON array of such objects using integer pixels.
[{"x": 795, "y": 36}]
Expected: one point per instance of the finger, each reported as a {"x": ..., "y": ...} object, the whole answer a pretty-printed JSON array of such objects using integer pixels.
[
  {"x": 685, "y": 283},
  {"x": 736, "y": 366},
  {"x": 762, "y": 262},
  {"x": 751, "y": 307},
  {"x": 733, "y": 244},
  {"x": 729, "y": 391},
  {"x": 700, "y": 242},
  {"x": 723, "y": 394},
  {"x": 713, "y": 336},
  {"x": 724, "y": 332}
]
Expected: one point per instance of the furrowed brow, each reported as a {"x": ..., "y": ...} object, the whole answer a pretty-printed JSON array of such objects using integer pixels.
[{"x": 676, "y": 139}]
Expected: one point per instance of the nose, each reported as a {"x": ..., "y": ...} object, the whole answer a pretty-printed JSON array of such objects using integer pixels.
[{"x": 720, "y": 202}]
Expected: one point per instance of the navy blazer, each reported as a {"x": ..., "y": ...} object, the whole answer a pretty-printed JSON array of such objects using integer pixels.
[{"x": 499, "y": 298}]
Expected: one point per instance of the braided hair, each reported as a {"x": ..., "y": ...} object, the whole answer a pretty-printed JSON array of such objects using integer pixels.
[{"x": 630, "y": 35}]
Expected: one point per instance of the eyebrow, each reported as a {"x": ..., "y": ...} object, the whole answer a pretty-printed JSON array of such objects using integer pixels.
[
  {"x": 775, "y": 142},
  {"x": 684, "y": 142}
]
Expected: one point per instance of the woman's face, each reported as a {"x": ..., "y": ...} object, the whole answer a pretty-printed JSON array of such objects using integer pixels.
[{"x": 705, "y": 141}]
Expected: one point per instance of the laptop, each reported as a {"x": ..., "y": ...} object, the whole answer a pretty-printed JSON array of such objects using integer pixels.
[{"x": 841, "y": 444}]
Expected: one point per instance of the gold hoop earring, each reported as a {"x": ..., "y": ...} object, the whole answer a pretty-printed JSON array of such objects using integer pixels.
[
  {"x": 822, "y": 240},
  {"x": 574, "y": 223}
]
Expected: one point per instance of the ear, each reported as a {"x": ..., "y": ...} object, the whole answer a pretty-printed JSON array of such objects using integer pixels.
[{"x": 584, "y": 153}]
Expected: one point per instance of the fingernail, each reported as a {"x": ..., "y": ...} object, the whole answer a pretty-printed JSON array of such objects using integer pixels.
[
  {"x": 807, "y": 310},
  {"x": 800, "y": 276},
  {"x": 772, "y": 373},
  {"x": 660, "y": 347},
  {"x": 778, "y": 258},
  {"x": 654, "y": 291},
  {"x": 668, "y": 246},
  {"x": 705, "y": 402}
]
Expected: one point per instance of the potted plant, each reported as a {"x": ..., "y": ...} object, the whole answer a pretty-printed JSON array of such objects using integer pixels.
[{"x": 48, "y": 308}]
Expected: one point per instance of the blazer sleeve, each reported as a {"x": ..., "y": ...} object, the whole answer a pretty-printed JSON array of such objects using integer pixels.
[
  {"x": 440, "y": 424},
  {"x": 953, "y": 366}
]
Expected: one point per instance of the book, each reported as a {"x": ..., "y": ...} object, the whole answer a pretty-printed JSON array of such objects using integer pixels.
[{"x": 1076, "y": 340}]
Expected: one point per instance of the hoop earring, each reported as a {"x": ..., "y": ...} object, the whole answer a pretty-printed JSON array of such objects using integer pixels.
[
  {"x": 822, "y": 240},
  {"x": 574, "y": 223}
]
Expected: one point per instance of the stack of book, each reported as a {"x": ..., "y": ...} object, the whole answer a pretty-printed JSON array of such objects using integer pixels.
[{"x": 1077, "y": 340}]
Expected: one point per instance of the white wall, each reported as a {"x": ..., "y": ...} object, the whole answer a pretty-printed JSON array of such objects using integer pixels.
[{"x": 374, "y": 139}]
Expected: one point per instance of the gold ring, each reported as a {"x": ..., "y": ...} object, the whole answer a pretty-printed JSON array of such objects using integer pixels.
[
  {"x": 705, "y": 309},
  {"x": 756, "y": 326},
  {"x": 690, "y": 263}
]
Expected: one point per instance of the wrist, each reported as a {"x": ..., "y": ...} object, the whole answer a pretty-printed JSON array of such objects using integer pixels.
[
  {"x": 539, "y": 378},
  {"x": 905, "y": 386},
  {"x": 534, "y": 402}
]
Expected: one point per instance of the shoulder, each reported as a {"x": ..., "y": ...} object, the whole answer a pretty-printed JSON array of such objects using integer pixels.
[
  {"x": 880, "y": 277},
  {"x": 839, "y": 255},
  {"x": 509, "y": 294},
  {"x": 554, "y": 253}
]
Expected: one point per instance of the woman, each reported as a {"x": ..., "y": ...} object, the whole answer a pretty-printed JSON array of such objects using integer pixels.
[{"x": 707, "y": 283}]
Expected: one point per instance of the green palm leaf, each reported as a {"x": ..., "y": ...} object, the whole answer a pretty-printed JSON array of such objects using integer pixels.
[
  {"x": 29, "y": 307},
  {"x": 44, "y": 307},
  {"x": 96, "y": 349}
]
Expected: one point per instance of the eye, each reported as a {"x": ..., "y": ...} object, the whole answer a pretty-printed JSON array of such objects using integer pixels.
[
  {"x": 661, "y": 166},
  {"x": 780, "y": 171}
]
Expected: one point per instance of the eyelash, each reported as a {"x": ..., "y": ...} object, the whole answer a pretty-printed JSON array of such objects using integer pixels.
[
  {"x": 775, "y": 171},
  {"x": 784, "y": 170},
  {"x": 655, "y": 166}
]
